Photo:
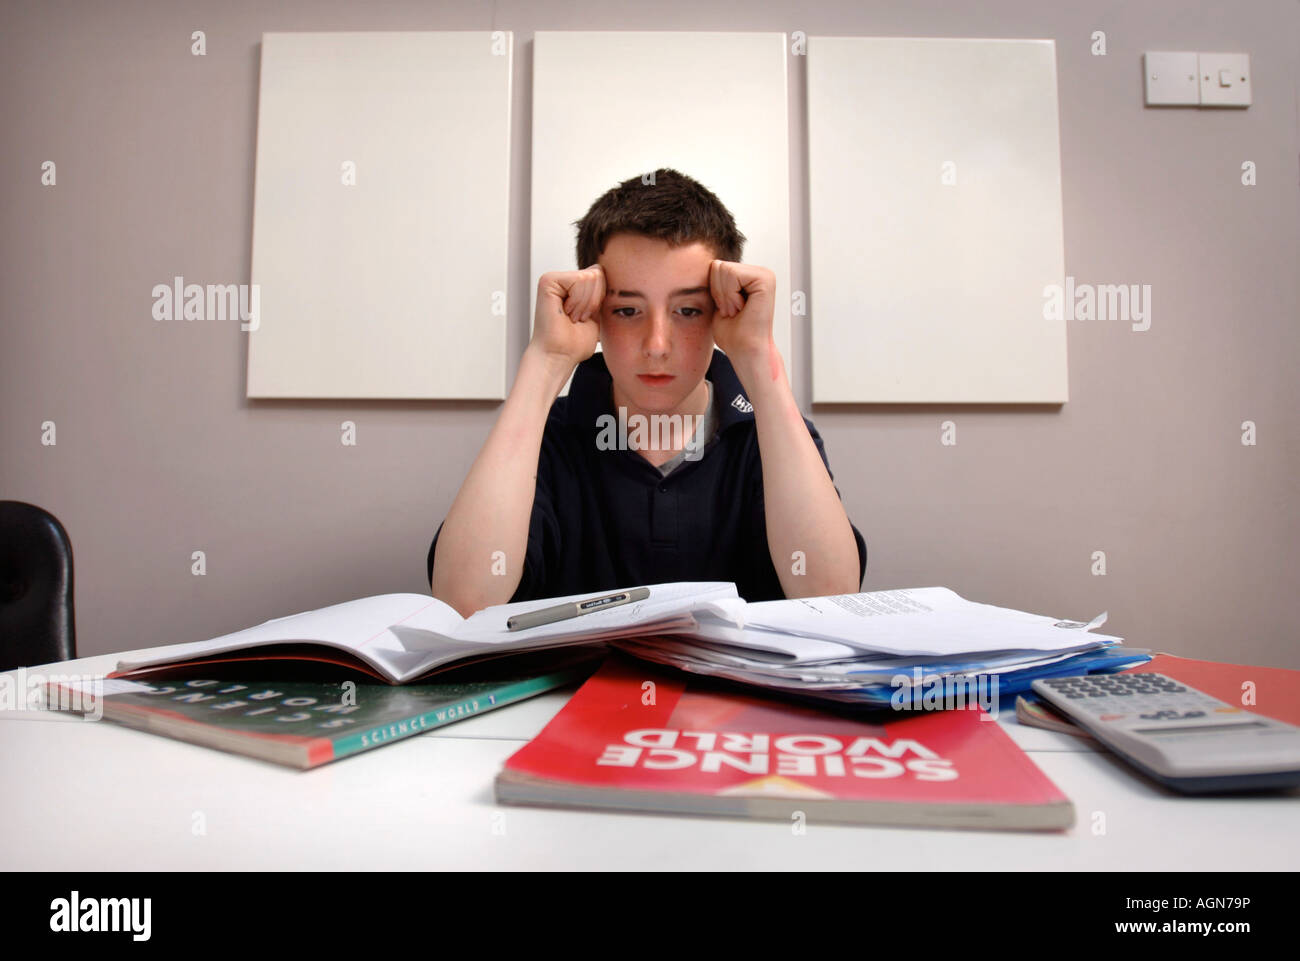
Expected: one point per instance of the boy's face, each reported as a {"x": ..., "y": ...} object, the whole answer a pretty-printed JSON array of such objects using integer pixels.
[{"x": 648, "y": 325}]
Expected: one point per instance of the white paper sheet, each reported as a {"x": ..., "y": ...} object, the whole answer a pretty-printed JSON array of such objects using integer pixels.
[{"x": 928, "y": 620}]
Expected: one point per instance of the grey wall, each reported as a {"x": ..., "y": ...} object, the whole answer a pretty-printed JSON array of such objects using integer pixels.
[{"x": 159, "y": 454}]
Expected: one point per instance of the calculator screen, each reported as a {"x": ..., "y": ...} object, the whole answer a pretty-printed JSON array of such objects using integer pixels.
[{"x": 1200, "y": 728}]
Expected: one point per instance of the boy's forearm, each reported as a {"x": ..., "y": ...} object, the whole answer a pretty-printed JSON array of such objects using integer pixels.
[
  {"x": 492, "y": 510},
  {"x": 802, "y": 511}
]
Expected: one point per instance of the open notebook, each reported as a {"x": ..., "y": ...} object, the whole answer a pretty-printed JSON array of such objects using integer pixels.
[{"x": 405, "y": 637}]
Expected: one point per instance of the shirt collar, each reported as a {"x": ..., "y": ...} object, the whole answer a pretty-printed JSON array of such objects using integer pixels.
[{"x": 589, "y": 393}]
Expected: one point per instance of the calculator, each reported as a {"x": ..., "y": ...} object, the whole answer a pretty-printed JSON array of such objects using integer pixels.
[{"x": 1178, "y": 735}]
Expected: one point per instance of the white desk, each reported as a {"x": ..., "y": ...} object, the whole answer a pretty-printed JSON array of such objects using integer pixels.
[{"x": 98, "y": 796}]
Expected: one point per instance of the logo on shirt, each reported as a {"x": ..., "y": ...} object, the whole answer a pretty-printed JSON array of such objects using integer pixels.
[{"x": 742, "y": 405}]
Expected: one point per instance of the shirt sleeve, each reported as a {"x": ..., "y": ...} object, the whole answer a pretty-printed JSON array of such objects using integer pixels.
[
  {"x": 542, "y": 553},
  {"x": 758, "y": 519}
]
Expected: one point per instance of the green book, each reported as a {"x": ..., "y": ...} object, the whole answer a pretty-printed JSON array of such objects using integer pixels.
[{"x": 302, "y": 721}]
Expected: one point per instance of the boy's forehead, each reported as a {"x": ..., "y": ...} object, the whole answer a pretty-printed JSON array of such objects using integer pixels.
[{"x": 635, "y": 265}]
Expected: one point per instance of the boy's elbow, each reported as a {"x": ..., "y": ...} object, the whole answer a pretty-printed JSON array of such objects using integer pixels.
[
  {"x": 462, "y": 606},
  {"x": 846, "y": 582},
  {"x": 466, "y": 602}
]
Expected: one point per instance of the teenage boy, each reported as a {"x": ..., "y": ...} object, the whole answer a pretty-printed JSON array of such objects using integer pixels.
[{"x": 649, "y": 470}]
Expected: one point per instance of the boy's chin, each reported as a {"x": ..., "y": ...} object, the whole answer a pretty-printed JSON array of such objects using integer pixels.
[{"x": 654, "y": 400}]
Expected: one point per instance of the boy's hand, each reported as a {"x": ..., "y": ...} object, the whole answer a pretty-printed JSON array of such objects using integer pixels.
[
  {"x": 567, "y": 322},
  {"x": 745, "y": 295}
]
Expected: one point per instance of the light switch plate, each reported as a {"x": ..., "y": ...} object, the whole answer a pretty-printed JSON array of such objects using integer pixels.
[
  {"x": 1224, "y": 79},
  {"x": 1171, "y": 78}
]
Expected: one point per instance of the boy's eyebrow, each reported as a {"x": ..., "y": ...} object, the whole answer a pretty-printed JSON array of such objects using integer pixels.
[{"x": 681, "y": 292}]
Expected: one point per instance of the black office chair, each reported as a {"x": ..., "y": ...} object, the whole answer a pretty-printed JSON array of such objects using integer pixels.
[{"x": 36, "y": 618}]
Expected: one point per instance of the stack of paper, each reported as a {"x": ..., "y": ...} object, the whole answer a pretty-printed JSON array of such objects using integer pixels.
[{"x": 875, "y": 648}]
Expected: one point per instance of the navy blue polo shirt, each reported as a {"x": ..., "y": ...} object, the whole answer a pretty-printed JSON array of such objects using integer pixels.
[{"x": 604, "y": 519}]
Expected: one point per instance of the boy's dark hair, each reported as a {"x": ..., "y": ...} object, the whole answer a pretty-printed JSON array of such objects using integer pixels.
[{"x": 667, "y": 205}]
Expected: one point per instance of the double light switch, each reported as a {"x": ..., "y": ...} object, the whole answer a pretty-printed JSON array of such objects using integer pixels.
[{"x": 1197, "y": 79}]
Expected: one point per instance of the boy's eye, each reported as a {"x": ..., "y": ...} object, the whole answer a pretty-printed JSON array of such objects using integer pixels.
[{"x": 618, "y": 311}]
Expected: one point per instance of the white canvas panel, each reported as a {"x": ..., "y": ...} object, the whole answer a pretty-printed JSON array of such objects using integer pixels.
[
  {"x": 393, "y": 287},
  {"x": 935, "y": 218}
]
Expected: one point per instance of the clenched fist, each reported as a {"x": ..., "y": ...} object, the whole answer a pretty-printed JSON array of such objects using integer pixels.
[{"x": 567, "y": 322}]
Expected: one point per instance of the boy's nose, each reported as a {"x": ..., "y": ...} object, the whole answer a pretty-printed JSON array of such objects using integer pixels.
[{"x": 657, "y": 337}]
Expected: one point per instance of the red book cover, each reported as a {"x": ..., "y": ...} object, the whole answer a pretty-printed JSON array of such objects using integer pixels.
[
  {"x": 638, "y": 737},
  {"x": 1271, "y": 691}
]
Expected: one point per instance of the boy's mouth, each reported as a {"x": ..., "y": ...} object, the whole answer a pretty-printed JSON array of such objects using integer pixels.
[{"x": 655, "y": 380}]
